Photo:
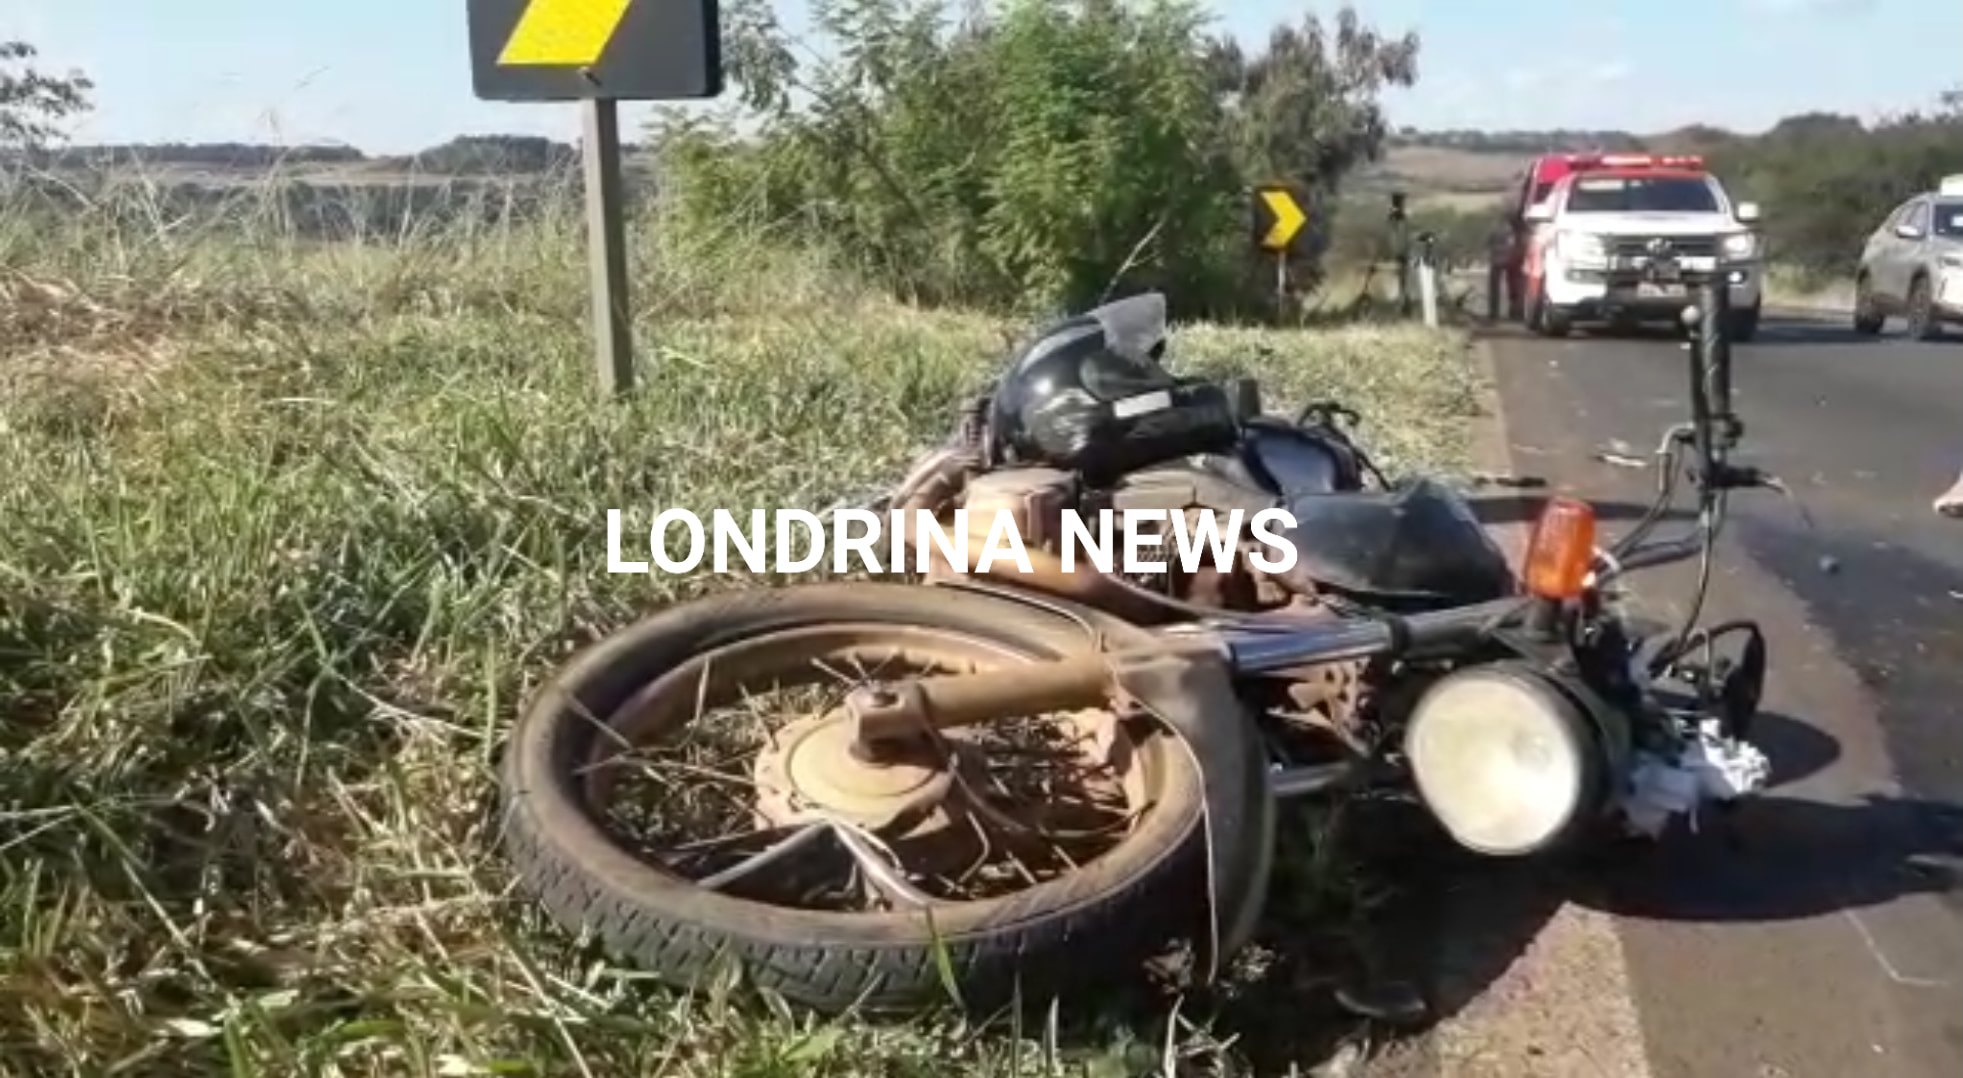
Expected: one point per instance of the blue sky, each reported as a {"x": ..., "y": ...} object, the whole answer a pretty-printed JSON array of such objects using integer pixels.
[{"x": 393, "y": 75}]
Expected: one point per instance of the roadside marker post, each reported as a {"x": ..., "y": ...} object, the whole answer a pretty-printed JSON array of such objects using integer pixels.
[
  {"x": 1400, "y": 238},
  {"x": 1278, "y": 217},
  {"x": 1428, "y": 292},
  {"x": 1427, "y": 247},
  {"x": 599, "y": 53}
]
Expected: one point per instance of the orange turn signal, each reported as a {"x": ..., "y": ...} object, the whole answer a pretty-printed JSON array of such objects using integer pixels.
[{"x": 1561, "y": 552}]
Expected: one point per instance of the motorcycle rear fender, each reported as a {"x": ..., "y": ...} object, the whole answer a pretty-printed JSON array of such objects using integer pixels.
[
  {"x": 1193, "y": 694},
  {"x": 1191, "y": 691}
]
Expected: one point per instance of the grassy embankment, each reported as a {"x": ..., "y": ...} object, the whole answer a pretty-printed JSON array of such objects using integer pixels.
[{"x": 287, "y": 531}]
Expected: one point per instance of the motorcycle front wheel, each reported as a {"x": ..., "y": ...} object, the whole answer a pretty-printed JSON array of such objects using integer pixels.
[{"x": 1028, "y": 854}]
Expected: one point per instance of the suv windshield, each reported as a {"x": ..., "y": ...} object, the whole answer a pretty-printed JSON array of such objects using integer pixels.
[
  {"x": 1947, "y": 219},
  {"x": 1642, "y": 194}
]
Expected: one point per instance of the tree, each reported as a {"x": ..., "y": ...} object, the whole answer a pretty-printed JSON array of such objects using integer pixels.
[
  {"x": 1306, "y": 107},
  {"x": 34, "y": 104},
  {"x": 1826, "y": 180}
]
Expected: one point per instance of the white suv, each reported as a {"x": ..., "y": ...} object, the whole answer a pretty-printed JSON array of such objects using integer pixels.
[{"x": 1600, "y": 226}]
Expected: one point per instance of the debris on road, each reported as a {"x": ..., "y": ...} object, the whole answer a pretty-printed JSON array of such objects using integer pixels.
[{"x": 1950, "y": 502}]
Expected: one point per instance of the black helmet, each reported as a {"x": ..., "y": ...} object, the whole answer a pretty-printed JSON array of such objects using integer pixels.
[{"x": 1088, "y": 394}]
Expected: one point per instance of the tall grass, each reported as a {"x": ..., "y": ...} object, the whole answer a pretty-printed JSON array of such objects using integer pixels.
[{"x": 289, "y": 528}]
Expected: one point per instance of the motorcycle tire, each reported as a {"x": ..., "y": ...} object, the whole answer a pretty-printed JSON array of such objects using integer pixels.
[{"x": 1053, "y": 936}]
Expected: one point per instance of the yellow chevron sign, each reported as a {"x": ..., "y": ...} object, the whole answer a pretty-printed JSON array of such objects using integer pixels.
[
  {"x": 1284, "y": 216},
  {"x": 595, "y": 50},
  {"x": 563, "y": 33}
]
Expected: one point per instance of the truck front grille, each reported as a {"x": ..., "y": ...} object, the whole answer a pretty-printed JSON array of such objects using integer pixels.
[{"x": 1635, "y": 249}]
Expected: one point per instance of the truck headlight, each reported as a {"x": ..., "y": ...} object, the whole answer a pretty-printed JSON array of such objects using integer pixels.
[
  {"x": 1581, "y": 247},
  {"x": 1740, "y": 246},
  {"x": 1505, "y": 760}
]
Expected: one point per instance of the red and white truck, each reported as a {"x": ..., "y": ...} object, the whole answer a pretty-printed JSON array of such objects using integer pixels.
[{"x": 1588, "y": 236}]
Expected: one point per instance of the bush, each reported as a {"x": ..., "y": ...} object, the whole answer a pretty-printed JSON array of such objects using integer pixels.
[{"x": 1036, "y": 154}]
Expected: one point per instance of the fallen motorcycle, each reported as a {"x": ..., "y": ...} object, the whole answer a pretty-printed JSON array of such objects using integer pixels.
[{"x": 1026, "y": 781}]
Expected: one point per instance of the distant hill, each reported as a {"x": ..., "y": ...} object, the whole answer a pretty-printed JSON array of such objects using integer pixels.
[
  {"x": 1516, "y": 142},
  {"x": 1465, "y": 167},
  {"x": 1460, "y": 169},
  {"x": 475, "y": 156}
]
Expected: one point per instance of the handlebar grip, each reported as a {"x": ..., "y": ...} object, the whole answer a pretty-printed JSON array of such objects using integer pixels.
[{"x": 1740, "y": 477}]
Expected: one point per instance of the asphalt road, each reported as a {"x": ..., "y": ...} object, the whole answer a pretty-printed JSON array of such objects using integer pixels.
[{"x": 1819, "y": 932}]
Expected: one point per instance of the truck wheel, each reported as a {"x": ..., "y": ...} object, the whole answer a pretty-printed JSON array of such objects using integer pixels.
[
  {"x": 1744, "y": 325},
  {"x": 1554, "y": 322},
  {"x": 1868, "y": 319}
]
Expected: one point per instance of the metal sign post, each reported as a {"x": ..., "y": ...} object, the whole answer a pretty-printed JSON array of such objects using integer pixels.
[
  {"x": 599, "y": 53},
  {"x": 606, "y": 245}
]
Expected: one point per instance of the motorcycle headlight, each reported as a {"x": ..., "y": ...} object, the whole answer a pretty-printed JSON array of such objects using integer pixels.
[
  {"x": 1503, "y": 758},
  {"x": 1582, "y": 247},
  {"x": 1741, "y": 245}
]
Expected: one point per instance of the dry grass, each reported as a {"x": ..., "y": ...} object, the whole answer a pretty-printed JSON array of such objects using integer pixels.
[{"x": 288, "y": 531}]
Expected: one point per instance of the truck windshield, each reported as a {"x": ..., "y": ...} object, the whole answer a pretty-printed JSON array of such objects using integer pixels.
[
  {"x": 1642, "y": 194},
  {"x": 1947, "y": 219}
]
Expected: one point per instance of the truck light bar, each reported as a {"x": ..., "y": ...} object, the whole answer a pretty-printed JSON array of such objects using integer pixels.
[{"x": 1580, "y": 161}]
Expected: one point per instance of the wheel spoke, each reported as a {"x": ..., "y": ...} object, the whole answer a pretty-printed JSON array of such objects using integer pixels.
[
  {"x": 822, "y": 830},
  {"x": 770, "y": 855},
  {"x": 878, "y": 865}
]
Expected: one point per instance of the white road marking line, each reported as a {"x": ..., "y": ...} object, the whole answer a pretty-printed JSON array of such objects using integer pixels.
[{"x": 1881, "y": 957}]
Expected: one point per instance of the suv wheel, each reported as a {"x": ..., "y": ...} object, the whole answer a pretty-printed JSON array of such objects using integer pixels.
[
  {"x": 1868, "y": 318},
  {"x": 1922, "y": 323}
]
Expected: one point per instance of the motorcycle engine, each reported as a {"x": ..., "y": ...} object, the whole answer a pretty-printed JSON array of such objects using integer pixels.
[{"x": 1036, "y": 499}]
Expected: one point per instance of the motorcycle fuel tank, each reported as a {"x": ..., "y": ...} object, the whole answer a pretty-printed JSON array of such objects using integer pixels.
[{"x": 1418, "y": 543}]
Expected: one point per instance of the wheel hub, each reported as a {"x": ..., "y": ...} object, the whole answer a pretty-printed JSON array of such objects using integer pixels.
[{"x": 811, "y": 772}]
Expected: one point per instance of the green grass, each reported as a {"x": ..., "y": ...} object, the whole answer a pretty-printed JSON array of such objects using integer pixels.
[{"x": 288, "y": 531}]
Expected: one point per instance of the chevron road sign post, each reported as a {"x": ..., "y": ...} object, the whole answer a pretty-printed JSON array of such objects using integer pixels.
[
  {"x": 1279, "y": 215},
  {"x": 599, "y": 53}
]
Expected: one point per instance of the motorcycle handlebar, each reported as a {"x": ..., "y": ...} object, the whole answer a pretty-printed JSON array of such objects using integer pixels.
[{"x": 1256, "y": 649}]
